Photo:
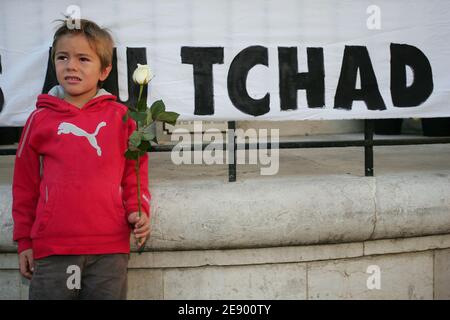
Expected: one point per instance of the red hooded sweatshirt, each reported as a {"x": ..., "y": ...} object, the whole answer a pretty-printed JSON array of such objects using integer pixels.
[{"x": 73, "y": 188}]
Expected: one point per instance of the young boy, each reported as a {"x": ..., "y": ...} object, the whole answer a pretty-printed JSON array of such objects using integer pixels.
[{"x": 74, "y": 192}]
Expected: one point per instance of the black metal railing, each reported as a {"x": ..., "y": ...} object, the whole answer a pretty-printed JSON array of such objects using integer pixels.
[{"x": 231, "y": 146}]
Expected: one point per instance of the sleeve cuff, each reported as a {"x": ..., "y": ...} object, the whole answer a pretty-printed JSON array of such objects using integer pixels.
[
  {"x": 24, "y": 244},
  {"x": 130, "y": 210}
]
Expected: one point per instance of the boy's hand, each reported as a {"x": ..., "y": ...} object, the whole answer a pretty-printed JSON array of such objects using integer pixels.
[
  {"x": 26, "y": 263},
  {"x": 141, "y": 226}
]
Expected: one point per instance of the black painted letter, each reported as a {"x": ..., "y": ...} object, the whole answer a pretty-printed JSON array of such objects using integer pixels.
[
  {"x": 291, "y": 81},
  {"x": 357, "y": 57},
  {"x": 111, "y": 84},
  {"x": 2, "y": 97},
  {"x": 202, "y": 60},
  {"x": 50, "y": 75},
  {"x": 237, "y": 78},
  {"x": 403, "y": 55}
]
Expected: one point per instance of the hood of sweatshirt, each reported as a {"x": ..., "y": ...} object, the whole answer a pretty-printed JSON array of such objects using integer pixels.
[{"x": 55, "y": 100}]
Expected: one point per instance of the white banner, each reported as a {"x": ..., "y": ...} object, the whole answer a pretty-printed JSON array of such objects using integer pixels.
[{"x": 249, "y": 60}]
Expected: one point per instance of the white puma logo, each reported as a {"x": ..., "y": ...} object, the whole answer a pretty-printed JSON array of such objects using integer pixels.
[{"x": 66, "y": 127}]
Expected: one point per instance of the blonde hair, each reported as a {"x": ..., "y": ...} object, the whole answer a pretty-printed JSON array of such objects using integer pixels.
[{"x": 99, "y": 39}]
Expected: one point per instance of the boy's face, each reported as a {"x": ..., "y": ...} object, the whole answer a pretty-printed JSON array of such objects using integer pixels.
[{"x": 78, "y": 68}]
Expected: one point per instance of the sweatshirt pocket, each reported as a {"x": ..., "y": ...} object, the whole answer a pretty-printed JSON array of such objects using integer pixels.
[
  {"x": 116, "y": 195},
  {"x": 44, "y": 210},
  {"x": 85, "y": 209},
  {"x": 117, "y": 200}
]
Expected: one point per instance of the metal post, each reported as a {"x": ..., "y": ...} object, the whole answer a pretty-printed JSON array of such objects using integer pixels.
[
  {"x": 368, "y": 146},
  {"x": 231, "y": 151}
]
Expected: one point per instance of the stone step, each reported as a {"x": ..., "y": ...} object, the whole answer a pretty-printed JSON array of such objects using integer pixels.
[{"x": 318, "y": 196}]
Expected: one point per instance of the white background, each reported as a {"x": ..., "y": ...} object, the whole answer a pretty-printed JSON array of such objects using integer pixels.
[{"x": 164, "y": 26}]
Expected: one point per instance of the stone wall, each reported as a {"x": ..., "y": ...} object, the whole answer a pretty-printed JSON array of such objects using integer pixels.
[
  {"x": 309, "y": 232},
  {"x": 411, "y": 268}
]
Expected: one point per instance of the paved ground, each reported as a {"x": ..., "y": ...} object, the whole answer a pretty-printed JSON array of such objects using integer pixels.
[{"x": 388, "y": 160}]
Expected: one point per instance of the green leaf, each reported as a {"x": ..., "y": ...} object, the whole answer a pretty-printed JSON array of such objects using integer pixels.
[
  {"x": 141, "y": 105},
  {"x": 148, "y": 136},
  {"x": 156, "y": 108},
  {"x": 144, "y": 146},
  {"x": 168, "y": 116},
  {"x": 135, "y": 138},
  {"x": 140, "y": 117},
  {"x": 150, "y": 128},
  {"x": 125, "y": 117},
  {"x": 149, "y": 119},
  {"x": 149, "y": 131},
  {"x": 133, "y": 155},
  {"x": 141, "y": 153}
]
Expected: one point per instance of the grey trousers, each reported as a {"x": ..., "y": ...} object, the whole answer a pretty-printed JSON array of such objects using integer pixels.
[{"x": 80, "y": 277}]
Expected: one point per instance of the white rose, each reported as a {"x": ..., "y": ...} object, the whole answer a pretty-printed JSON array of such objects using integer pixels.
[{"x": 142, "y": 75}]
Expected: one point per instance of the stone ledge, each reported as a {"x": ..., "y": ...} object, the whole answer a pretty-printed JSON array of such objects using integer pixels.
[
  {"x": 183, "y": 259},
  {"x": 309, "y": 202},
  {"x": 287, "y": 212},
  {"x": 423, "y": 243},
  {"x": 276, "y": 255}
]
